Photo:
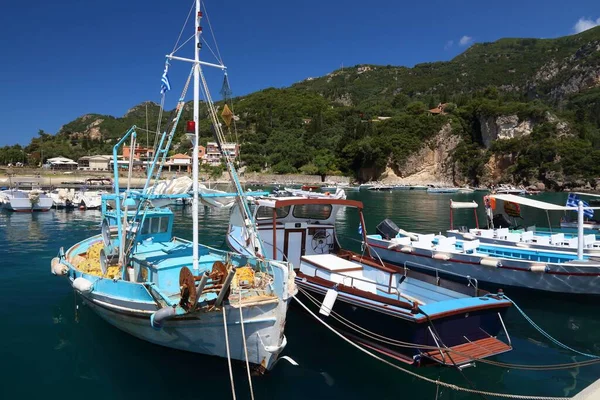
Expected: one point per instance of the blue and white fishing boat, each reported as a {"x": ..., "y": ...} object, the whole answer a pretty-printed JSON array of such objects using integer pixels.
[
  {"x": 499, "y": 229},
  {"x": 431, "y": 317},
  {"x": 504, "y": 265},
  {"x": 174, "y": 292}
]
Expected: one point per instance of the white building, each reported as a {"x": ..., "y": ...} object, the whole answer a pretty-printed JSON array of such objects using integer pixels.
[
  {"x": 62, "y": 163},
  {"x": 213, "y": 155},
  {"x": 95, "y": 163}
]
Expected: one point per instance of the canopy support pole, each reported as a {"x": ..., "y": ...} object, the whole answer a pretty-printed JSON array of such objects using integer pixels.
[
  {"x": 580, "y": 230},
  {"x": 548, "y": 218}
]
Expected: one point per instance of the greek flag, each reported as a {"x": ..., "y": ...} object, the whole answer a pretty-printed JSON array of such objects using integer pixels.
[
  {"x": 360, "y": 230},
  {"x": 573, "y": 201},
  {"x": 165, "y": 85}
]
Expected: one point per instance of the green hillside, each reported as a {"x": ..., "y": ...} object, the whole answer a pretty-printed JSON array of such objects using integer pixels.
[{"x": 356, "y": 121}]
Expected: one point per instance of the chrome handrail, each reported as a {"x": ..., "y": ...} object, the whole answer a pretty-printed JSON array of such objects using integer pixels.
[{"x": 437, "y": 276}]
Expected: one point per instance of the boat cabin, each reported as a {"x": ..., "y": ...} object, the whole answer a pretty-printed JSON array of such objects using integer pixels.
[
  {"x": 157, "y": 224},
  {"x": 292, "y": 227}
]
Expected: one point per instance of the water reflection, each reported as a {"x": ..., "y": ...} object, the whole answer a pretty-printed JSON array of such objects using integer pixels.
[{"x": 60, "y": 346}]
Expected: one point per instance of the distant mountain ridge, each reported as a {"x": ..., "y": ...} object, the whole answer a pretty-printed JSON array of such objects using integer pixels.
[
  {"x": 504, "y": 102},
  {"x": 550, "y": 69}
]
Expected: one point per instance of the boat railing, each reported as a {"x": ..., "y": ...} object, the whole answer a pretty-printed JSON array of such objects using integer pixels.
[{"x": 437, "y": 280}]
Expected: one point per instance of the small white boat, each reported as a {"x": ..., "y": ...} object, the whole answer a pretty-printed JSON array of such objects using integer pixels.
[
  {"x": 88, "y": 199},
  {"x": 439, "y": 189},
  {"x": 466, "y": 190},
  {"x": 400, "y": 187},
  {"x": 509, "y": 189},
  {"x": 62, "y": 198},
  {"x": 381, "y": 187},
  {"x": 21, "y": 201},
  {"x": 418, "y": 187}
]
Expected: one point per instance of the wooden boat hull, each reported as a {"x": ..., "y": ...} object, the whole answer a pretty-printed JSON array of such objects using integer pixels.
[{"x": 376, "y": 319}]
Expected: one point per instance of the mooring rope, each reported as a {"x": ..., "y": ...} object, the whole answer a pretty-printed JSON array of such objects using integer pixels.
[
  {"x": 399, "y": 343},
  {"x": 245, "y": 347},
  {"x": 424, "y": 378},
  {"x": 547, "y": 335},
  {"x": 228, "y": 354}
]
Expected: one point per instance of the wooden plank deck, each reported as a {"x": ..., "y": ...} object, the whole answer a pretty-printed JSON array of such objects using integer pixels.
[{"x": 469, "y": 352}]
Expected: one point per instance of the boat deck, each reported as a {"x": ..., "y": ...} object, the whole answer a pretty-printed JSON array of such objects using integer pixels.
[
  {"x": 173, "y": 254},
  {"x": 469, "y": 352}
]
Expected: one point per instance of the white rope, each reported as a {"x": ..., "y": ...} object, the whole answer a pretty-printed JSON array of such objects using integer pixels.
[
  {"x": 228, "y": 353},
  {"x": 429, "y": 380},
  {"x": 183, "y": 44},
  {"x": 183, "y": 27},
  {"x": 211, "y": 50},
  {"x": 245, "y": 348},
  {"x": 398, "y": 343},
  {"x": 212, "y": 33}
]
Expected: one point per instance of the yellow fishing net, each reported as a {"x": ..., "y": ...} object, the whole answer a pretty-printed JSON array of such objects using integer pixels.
[
  {"x": 91, "y": 263},
  {"x": 244, "y": 276}
]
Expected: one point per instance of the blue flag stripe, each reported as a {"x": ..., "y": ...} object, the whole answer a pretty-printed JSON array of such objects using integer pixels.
[
  {"x": 573, "y": 201},
  {"x": 165, "y": 85}
]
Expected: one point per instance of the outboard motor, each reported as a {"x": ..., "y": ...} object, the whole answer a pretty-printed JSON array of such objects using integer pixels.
[
  {"x": 387, "y": 229},
  {"x": 501, "y": 221}
]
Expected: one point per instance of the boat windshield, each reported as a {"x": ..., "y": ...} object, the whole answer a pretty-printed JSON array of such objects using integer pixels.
[
  {"x": 267, "y": 212},
  {"x": 312, "y": 211}
]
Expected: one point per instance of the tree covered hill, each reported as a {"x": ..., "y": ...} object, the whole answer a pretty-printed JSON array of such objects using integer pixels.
[{"x": 365, "y": 119}]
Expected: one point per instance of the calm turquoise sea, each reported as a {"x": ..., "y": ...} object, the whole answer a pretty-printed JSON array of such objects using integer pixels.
[{"x": 52, "y": 346}]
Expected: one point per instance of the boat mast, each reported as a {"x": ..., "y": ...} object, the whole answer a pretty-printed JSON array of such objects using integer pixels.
[{"x": 197, "y": 33}]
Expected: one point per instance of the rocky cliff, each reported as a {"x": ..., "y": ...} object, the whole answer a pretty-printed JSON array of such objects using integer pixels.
[{"x": 431, "y": 164}]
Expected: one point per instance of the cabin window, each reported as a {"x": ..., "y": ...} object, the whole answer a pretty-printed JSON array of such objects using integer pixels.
[
  {"x": 155, "y": 225},
  {"x": 146, "y": 227},
  {"x": 312, "y": 211},
  {"x": 267, "y": 212},
  {"x": 164, "y": 224}
]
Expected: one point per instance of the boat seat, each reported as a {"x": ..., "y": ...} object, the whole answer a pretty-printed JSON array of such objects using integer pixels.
[
  {"x": 543, "y": 240},
  {"x": 527, "y": 236},
  {"x": 557, "y": 238},
  {"x": 589, "y": 240},
  {"x": 502, "y": 233},
  {"x": 446, "y": 244},
  {"x": 469, "y": 245},
  {"x": 513, "y": 237}
]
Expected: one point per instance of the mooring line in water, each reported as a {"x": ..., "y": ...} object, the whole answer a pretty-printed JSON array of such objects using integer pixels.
[
  {"x": 424, "y": 378},
  {"x": 398, "y": 343},
  {"x": 547, "y": 335},
  {"x": 245, "y": 348},
  {"x": 228, "y": 354}
]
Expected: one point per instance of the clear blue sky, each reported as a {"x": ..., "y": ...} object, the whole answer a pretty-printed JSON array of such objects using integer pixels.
[{"x": 65, "y": 58}]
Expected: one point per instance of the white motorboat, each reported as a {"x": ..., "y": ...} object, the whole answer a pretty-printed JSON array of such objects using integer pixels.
[
  {"x": 62, "y": 198},
  {"x": 88, "y": 199},
  {"x": 22, "y": 201}
]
